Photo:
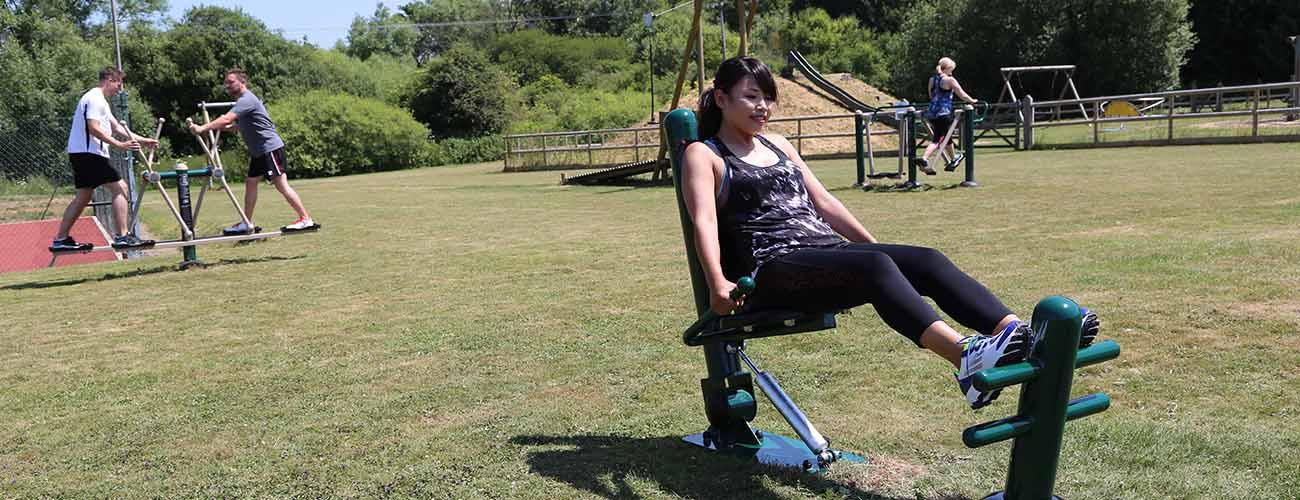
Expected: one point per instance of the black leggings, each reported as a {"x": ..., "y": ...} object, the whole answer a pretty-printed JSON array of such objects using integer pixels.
[{"x": 892, "y": 278}]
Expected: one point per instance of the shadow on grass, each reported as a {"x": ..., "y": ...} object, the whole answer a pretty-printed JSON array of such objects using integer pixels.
[
  {"x": 630, "y": 184},
  {"x": 140, "y": 272},
  {"x": 609, "y": 466}
]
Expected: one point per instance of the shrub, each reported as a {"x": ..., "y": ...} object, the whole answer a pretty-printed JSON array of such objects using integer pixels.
[
  {"x": 461, "y": 94},
  {"x": 471, "y": 150},
  {"x": 836, "y": 45},
  {"x": 338, "y": 134},
  {"x": 532, "y": 54}
]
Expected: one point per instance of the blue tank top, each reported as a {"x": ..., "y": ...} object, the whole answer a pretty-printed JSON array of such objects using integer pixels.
[
  {"x": 764, "y": 212},
  {"x": 940, "y": 99}
]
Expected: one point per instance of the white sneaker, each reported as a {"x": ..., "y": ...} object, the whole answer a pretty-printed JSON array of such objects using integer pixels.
[
  {"x": 300, "y": 224},
  {"x": 987, "y": 351},
  {"x": 239, "y": 228}
]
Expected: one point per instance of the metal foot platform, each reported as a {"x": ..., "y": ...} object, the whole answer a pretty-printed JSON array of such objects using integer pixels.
[{"x": 780, "y": 451}]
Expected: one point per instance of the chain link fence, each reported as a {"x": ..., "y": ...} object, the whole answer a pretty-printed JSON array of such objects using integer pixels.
[{"x": 35, "y": 176}]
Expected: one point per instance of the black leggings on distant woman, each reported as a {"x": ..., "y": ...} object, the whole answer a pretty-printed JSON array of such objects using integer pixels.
[{"x": 892, "y": 278}]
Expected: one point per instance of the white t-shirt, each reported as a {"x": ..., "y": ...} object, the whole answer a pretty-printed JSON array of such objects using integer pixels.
[{"x": 92, "y": 106}]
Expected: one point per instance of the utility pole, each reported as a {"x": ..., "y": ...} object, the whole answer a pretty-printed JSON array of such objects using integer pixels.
[
  {"x": 649, "y": 19},
  {"x": 117, "y": 44},
  {"x": 722, "y": 28}
]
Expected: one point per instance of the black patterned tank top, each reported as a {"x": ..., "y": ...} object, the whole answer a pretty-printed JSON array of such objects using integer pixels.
[{"x": 764, "y": 212}]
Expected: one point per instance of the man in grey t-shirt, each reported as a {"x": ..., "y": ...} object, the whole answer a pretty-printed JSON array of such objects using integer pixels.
[{"x": 264, "y": 146}]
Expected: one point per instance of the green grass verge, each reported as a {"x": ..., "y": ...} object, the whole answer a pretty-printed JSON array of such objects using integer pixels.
[{"x": 461, "y": 333}]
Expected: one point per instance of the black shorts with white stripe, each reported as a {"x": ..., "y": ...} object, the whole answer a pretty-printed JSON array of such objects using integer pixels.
[{"x": 272, "y": 164}]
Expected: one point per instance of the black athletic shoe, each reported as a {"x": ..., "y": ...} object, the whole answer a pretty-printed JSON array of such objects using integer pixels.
[
  {"x": 956, "y": 160},
  {"x": 1091, "y": 327},
  {"x": 924, "y": 166},
  {"x": 237, "y": 229},
  {"x": 68, "y": 245},
  {"x": 130, "y": 241}
]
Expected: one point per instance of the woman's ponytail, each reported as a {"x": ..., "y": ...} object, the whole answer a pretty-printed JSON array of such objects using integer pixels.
[{"x": 709, "y": 114}]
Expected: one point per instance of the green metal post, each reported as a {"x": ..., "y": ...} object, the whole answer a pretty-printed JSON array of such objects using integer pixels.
[
  {"x": 968, "y": 145},
  {"x": 191, "y": 257},
  {"x": 909, "y": 119},
  {"x": 1034, "y": 456},
  {"x": 857, "y": 139},
  {"x": 1039, "y": 422},
  {"x": 122, "y": 111}
]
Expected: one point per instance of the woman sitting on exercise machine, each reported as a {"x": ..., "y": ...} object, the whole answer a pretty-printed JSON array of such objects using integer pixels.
[{"x": 759, "y": 211}]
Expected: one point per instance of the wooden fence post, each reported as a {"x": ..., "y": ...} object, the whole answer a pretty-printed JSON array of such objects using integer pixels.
[
  {"x": 1027, "y": 110},
  {"x": 1254, "y": 115}
]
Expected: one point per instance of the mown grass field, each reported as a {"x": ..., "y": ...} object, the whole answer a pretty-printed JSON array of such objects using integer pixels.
[{"x": 460, "y": 333}]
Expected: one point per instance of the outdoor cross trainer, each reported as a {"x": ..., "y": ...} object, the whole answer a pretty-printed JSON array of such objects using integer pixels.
[
  {"x": 909, "y": 120},
  {"x": 268, "y": 160},
  {"x": 185, "y": 212}
]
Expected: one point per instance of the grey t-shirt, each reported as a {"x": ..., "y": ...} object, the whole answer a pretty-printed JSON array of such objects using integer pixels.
[{"x": 255, "y": 125}]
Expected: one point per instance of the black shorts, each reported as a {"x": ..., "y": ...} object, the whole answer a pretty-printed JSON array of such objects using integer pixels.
[
  {"x": 272, "y": 164},
  {"x": 90, "y": 170},
  {"x": 940, "y": 125}
]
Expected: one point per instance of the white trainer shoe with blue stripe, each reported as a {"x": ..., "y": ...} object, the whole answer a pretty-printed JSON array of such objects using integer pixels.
[{"x": 988, "y": 351}]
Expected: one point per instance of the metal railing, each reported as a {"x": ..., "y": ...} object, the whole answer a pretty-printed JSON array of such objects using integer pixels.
[{"x": 608, "y": 147}]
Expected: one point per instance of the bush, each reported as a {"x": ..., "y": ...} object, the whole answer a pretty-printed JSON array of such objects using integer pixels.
[
  {"x": 380, "y": 77},
  {"x": 836, "y": 45},
  {"x": 456, "y": 151},
  {"x": 337, "y": 134},
  {"x": 552, "y": 106},
  {"x": 533, "y": 54},
  {"x": 461, "y": 94}
]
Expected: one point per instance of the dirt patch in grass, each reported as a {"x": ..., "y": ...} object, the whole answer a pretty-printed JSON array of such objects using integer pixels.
[
  {"x": 25, "y": 208},
  {"x": 1280, "y": 311}
]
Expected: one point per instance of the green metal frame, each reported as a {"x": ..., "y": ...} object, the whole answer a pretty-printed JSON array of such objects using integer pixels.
[
  {"x": 1045, "y": 405},
  {"x": 182, "y": 176},
  {"x": 729, "y": 397},
  {"x": 912, "y": 117}
]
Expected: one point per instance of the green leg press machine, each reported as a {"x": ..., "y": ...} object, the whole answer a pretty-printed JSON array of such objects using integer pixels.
[{"x": 729, "y": 397}]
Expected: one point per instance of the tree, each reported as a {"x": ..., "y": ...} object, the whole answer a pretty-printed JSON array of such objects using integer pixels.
[
  {"x": 1119, "y": 46},
  {"x": 88, "y": 15},
  {"x": 881, "y": 16},
  {"x": 443, "y": 23},
  {"x": 533, "y": 53},
  {"x": 461, "y": 94},
  {"x": 836, "y": 45},
  {"x": 583, "y": 17},
  {"x": 1242, "y": 42},
  {"x": 49, "y": 65},
  {"x": 384, "y": 33}
]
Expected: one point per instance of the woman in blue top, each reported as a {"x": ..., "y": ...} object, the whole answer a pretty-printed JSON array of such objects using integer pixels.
[
  {"x": 759, "y": 211},
  {"x": 942, "y": 87}
]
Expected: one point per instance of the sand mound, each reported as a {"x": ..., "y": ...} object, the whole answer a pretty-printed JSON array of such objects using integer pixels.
[{"x": 798, "y": 97}]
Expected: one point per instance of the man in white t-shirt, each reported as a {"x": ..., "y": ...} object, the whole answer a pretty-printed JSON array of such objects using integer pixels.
[{"x": 93, "y": 126}]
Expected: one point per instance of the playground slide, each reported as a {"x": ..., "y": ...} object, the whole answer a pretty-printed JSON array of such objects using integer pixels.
[{"x": 838, "y": 93}]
